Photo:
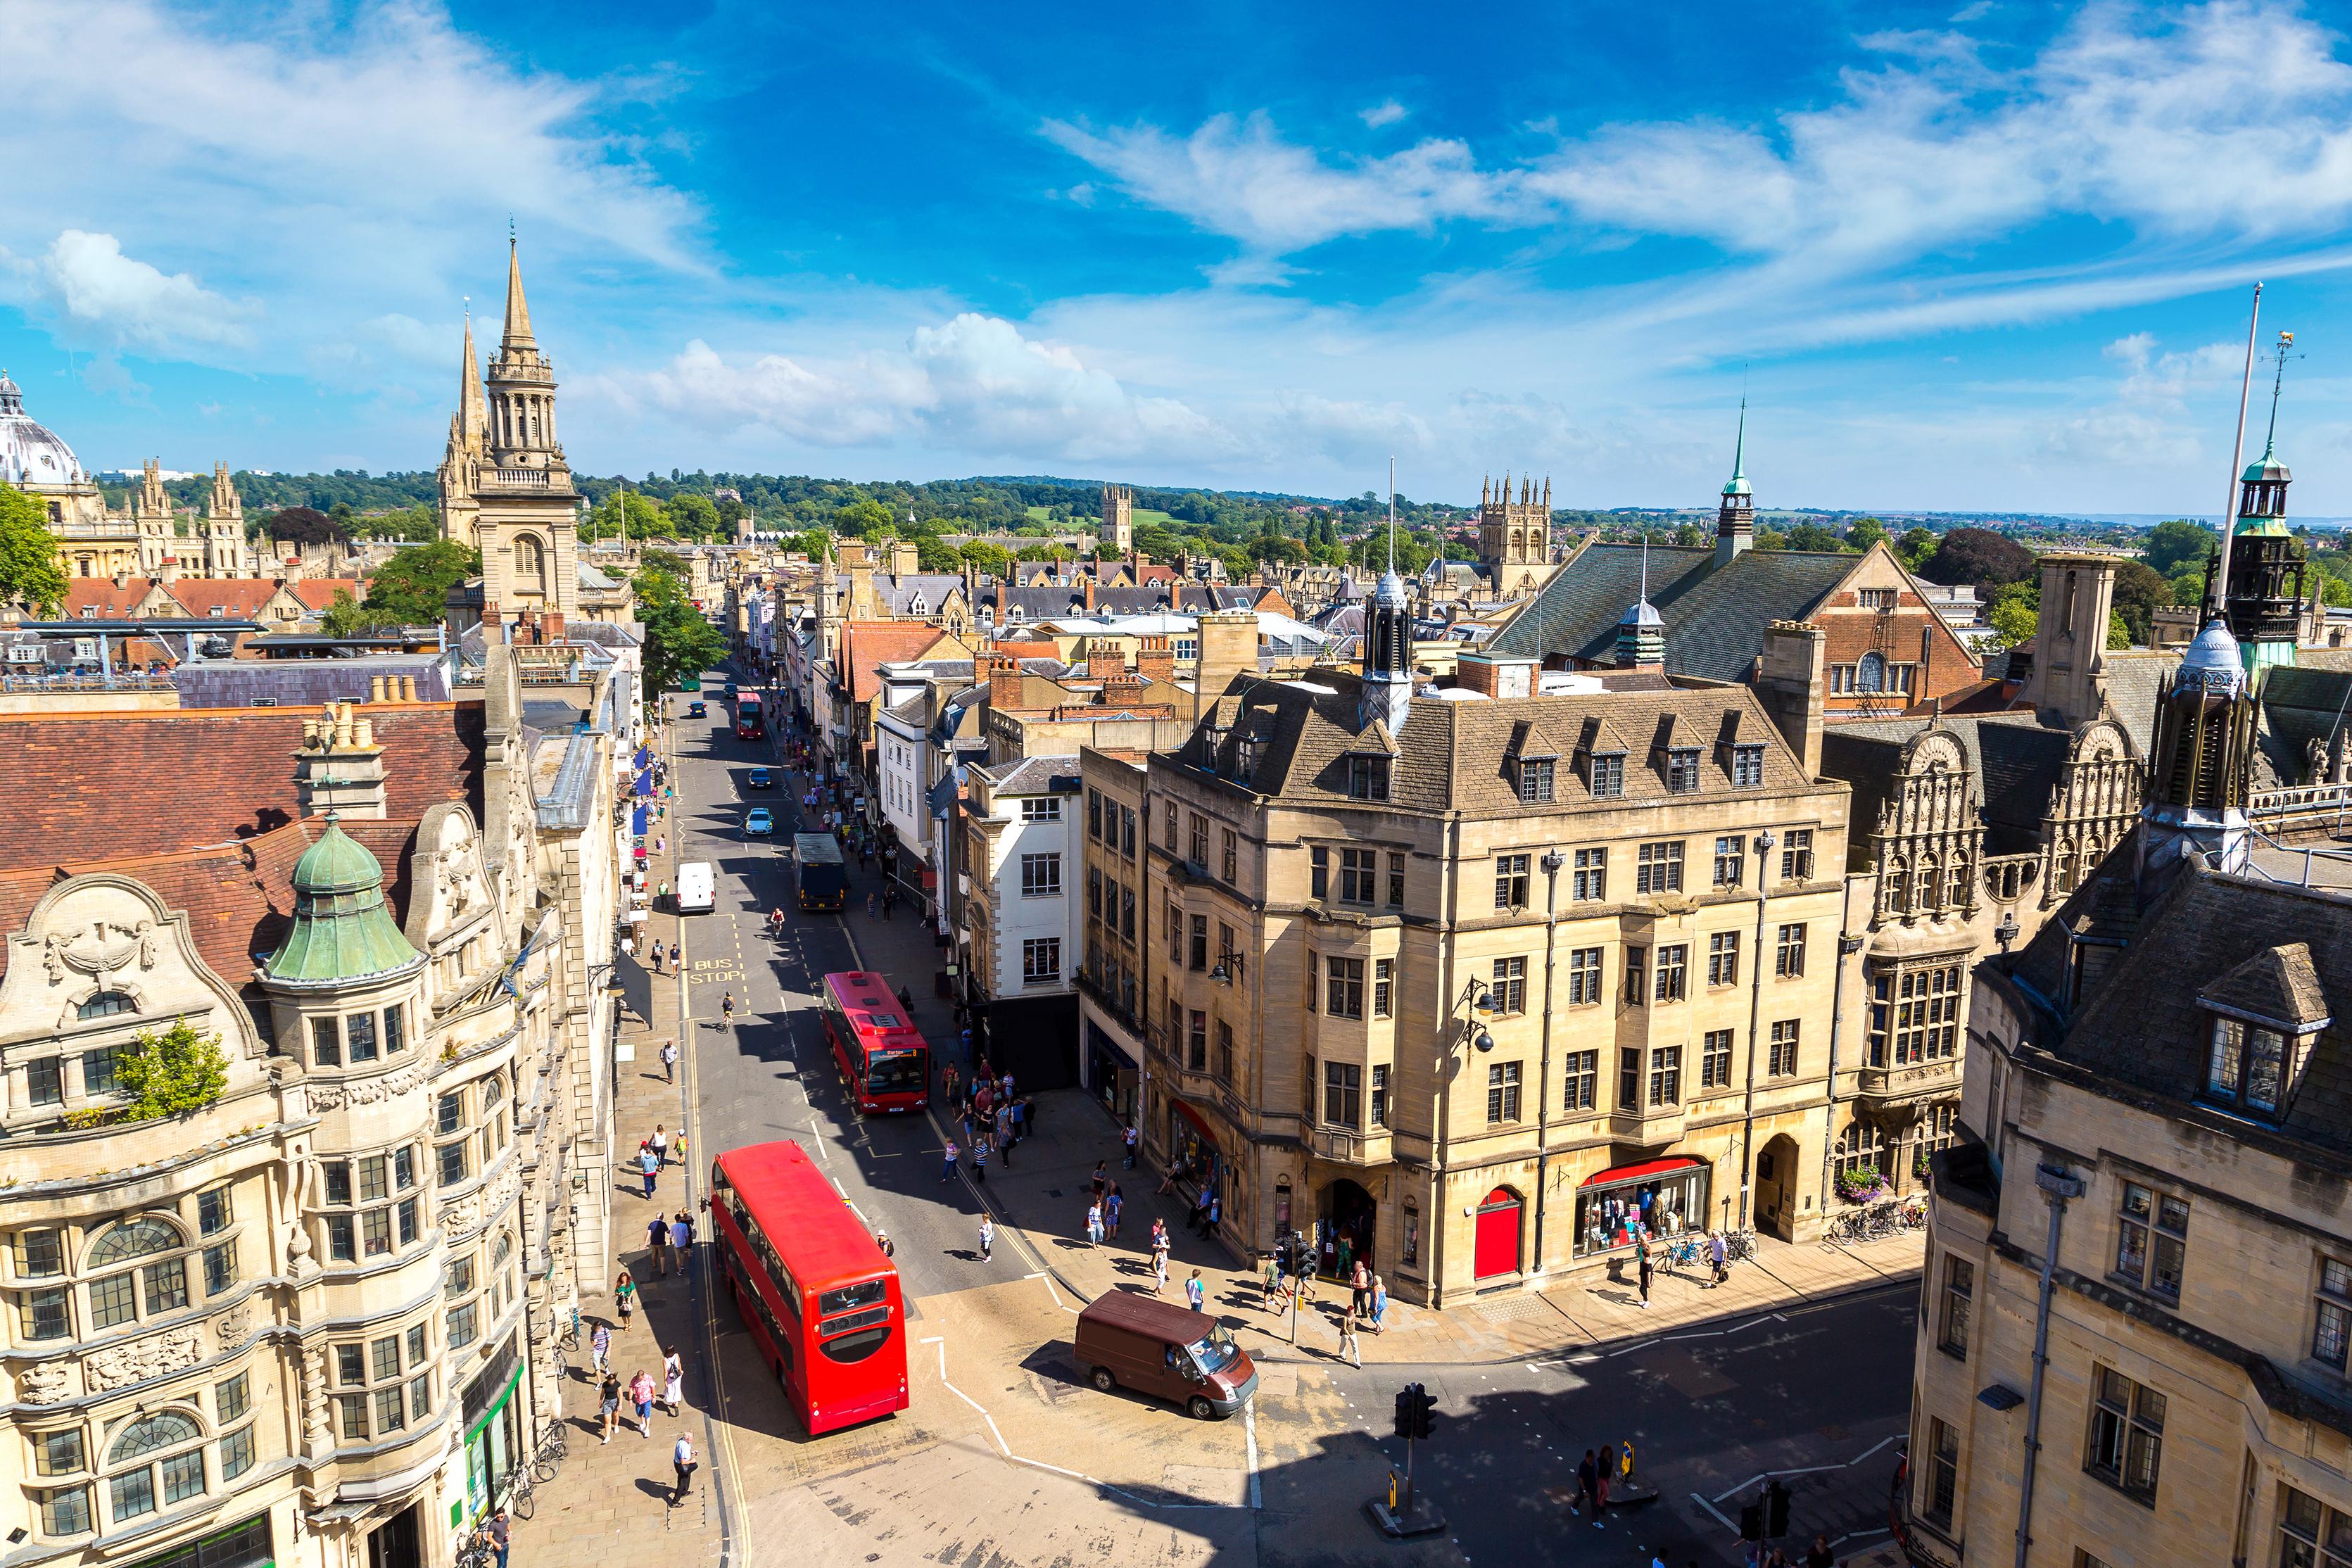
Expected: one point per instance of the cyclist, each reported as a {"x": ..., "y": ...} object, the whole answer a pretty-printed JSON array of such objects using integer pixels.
[
  {"x": 776, "y": 923},
  {"x": 727, "y": 1011}
]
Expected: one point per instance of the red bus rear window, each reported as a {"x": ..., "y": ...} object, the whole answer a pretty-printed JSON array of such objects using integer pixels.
[{"x": 849, "y": 1298}]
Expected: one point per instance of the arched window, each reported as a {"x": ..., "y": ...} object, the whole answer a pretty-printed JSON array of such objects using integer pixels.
[
  {"x": 107, "y": 1004},
  {"x": 164, "y": 1429},
  {"x": 1870, "y": 672},
  {"x": 504, "y": 1249},
  {"x": 158, "y": 1478},
  {"x": 530, "y": 563},
  {"x": 134, "y": 1238}
]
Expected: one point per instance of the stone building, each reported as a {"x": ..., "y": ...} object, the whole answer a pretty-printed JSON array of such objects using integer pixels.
[
  {"x": 1114, "y": 970},
  {"x": 1468, "y": 978},
  {"x": 308, "y": 1319},
  {"x": 1514, "y": 537}
]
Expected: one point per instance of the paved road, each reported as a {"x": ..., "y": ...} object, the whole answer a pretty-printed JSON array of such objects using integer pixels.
[{"x": 1824, "y": 1389}]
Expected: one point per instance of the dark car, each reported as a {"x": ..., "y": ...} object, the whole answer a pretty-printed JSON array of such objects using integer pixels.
[
  {"x": 697, "y": 711},
  {"x": 760, "y": 778}
]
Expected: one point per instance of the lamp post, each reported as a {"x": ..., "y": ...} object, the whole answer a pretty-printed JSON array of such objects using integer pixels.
[{"x": 1763, "y": 845}]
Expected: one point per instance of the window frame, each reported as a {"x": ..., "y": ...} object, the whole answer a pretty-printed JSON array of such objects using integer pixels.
[{"x": 1505, "y": 1080}]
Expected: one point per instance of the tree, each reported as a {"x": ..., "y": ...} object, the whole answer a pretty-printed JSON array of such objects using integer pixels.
[
  {"x": 694, "y": 517},
  {"x": 862, "y": 516},
  {"x": 935, "y": 554},
  {"x": 1813, "y": 536},
  {"x": 1270, "y": 547},
  {"x": 302, "y": 525},
  {"x": 1981, "y": 557},
  {"x": 345, "y": 616},
  {"x": 412, "y": 588},
  {"x": 2171, "y": 546},
  {"x": 992, "y": 559},
  {"x": 2118, "y": 634},
  {"x": 646, "y": 519},
  {"x": 1916, "y": 546},
  {"x": 678, "y": 639},
  {"x": 1864, "y": 532},
  {"x": 2140, "y": 591},
  {"x": 2013, "y": 611},
  {"x": 167, "y": 1074},
  {"x": 29, "y": 572}
]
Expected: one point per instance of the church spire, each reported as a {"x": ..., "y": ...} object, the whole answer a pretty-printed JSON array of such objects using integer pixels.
[
  {"x": 472, "y": 417},
  {"x": 1735, "y": 515},
  {"x": 518, "y": 311}
]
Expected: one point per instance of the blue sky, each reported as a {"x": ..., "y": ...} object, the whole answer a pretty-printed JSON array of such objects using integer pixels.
[{"x": 1991, "y": 257}]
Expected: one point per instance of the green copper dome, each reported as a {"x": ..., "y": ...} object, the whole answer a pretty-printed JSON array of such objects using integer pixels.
[{"x": 343, "y": 930}]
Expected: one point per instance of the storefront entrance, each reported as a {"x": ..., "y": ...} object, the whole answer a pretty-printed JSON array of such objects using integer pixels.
[
  {"x": 1495, "y": 1250},
  {"x": 494, "y": 1437},
  {"x": 1110, "y": 1075},
  {"x": 1776, "y": 1188},
  {"x": 1665, "y": 1197},
  {"x": 395, "y": 1542},
  {"x": 1346, "y": 1223}
]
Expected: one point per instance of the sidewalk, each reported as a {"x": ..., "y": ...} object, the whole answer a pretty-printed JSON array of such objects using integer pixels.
[
  {"x": 609, "y": 1506},
  {"x": 1047, "y": 1186}
]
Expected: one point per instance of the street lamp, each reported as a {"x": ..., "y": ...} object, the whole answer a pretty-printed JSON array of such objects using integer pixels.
[
  {"x": 1228, "y": 968},
  {"x": 1481, "y": 1002}
]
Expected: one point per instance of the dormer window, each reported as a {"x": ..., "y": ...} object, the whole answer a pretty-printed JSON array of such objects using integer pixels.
[
  {"x": 1748, "y": 767},
  {"x": 2247, "y": 1066},
  {"x": 1682, "y": 770},
  {"x": 1608, "y": 774},
  {"x": 1535, "y": 780},
  {"x": 1368, "y": 777}
]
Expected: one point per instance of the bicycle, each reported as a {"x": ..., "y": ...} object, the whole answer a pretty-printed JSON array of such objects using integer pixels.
[
  {"x": 477, "y": 1552},
  {"x": 521, "y": 1488},
  {"x": 1739, "y": 1247},
  {"x": 553, "y": 1451},
  {"x": 569, "y": 1339}
]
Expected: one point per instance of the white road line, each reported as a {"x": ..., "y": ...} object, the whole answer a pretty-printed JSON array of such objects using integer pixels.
[
  {"x": 1711, "y": 1509},
  {"x": 1249, "y": 1431},
  {"x": 1811, "y": 1469}
]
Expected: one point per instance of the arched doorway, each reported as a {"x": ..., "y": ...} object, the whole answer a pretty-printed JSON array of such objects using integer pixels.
[
  {"x": 1347, "y": 1220},
  {"x": 1776, "y": 1188},
  {"x": 1495, "y": 1247}
]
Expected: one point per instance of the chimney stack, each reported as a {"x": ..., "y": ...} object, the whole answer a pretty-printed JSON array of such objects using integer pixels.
[
  {"x": 1155, "y": 661},
  {"x": 1793, "y": 682}
]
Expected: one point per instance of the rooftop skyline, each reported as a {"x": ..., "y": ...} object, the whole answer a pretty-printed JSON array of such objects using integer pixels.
[{"x": 1989, "y": 258}]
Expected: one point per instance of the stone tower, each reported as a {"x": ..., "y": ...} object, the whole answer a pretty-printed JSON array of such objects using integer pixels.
[
  {"x": 151, "y": 511},
  {"x": 2068, "y": 683},
  {"x": 1734, "y": 518},
  {"x": 461, "y": 462},
  {"x": 225, "y": 549},
  {"x": 525, "y": 512},
  {"x": 1515, "y": 534},
  {"x": 2267, "y": 569},
  {"x": 1118, "y": 520}
]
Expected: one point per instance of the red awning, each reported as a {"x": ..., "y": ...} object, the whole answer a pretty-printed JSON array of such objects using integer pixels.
[
  {"x": 1192, "y": 1116},
  {"x": 1646, "y": 1168}
]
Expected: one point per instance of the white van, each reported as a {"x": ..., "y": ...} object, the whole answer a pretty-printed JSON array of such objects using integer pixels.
[{"x": 696, "y": 893}]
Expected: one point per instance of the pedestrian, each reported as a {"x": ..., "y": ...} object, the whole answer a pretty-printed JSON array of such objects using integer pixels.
[
  {"x": 987, "y": 1237},
  {"x": 1817, "y": 1556},
  {"x": 1348, "y": 1346},
  {"x": 1006, "y": 1138},
  {"x": 678, "y": 1148},
  {"x": 1644, "y": 1265},
  {"x": 673, "y": 957},
  {"x": 1605, "y": 1474},
  {"x": 625, "y": 1296},
  {"x": 1128, "y": 1137},
  {"x": 907, "y": 1002},
  {"x": 600, "y": 1344},
  {"x": 1112, "y": 1204},
  {"x": 1095, "y": 1224},
  {"x": 682, "y": 1460},
  {"x": 648, "y": 1165},
  {"x": 1195, "y": 1291},
  {"x": 1588, "y": 1476},
  {"x": 1216, "y": 1212},
  {"x": 1159, "y": 1255},
  {"x": 946, "y": 1162},
  {"x": 669, "y": 1061},
  {"x": 1270, "y": 1293},
  {"x": 657, "y": 1242},
  {"x": 948, "y": 1084},
  {"x": 1715, "y": 1252},
  {"x": 673, "y": 1382},
  {"x": 980, "y": 1160},
  {"x": 1380, "y": 1302},
  {"x": 1359, "y": 1288},
  {"x": 608, "y": 1402},
  {"x": 499, "y": 1527},
  {"x": 882, "y": 1241}
]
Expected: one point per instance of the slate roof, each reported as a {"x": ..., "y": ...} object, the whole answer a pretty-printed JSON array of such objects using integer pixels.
[
  {"x": 1450, "y": 755},
  {"x": 2300, "y": 704},
  {"x": 303, "y": 682},
  {"x": 898, "y": 592},
  {"x": 1032, "y": 775},
  {"x": 2144, "y": 1027},
  {"x": 2278, "y": 984},
  {"x": 114, "y": 784},
  {"x": 2017, "y": 761},
  {"x": 1714, "y": 616}
]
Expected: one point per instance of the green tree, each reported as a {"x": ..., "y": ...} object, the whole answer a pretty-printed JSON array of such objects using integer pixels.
[
  {"x": 29, "y": 572},
  {"x": 2118, "y": 634},
  {"x": 1279, "y": 547},
  {"x": 167, "y": 1074},
  {"x": 1814, "y": 537},
  {"x": 678, "y": 640},
  {"x": 2140, "y": 591},
  {"x": 992, "y": 559},
  {"x": 933, "y": 553},
  {"x": 412, "y": 588},
  {"x": 694, "y": 517},
  {"x": 646, "y": 519},
  {"x": 2170, "y": 546},
  {"x": 345, "y": 616},
  {"x": 1864, "y": 532},
  {"x": 2013, "y": 609},
  {"x": 862, "y": 516},
  {"x": 1916, "y": 546}
]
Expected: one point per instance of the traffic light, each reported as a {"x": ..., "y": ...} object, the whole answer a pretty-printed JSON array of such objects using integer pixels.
[
  {"x": 1751, "y": 1522},
  {"x": 1404, "y": 1410},
  {"x": 1775, "y": 1510},
  {"x": 1415, "y": 1407}
]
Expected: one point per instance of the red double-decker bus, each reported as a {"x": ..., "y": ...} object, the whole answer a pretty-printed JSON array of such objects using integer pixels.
[
  {"x": 749, "y": 722},
  {"x": 822, "y": 1302},
  {"x": 883, "y": 1057}
]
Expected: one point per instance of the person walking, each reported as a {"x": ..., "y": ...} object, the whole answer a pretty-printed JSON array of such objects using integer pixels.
[
  {"x": 980, "y": 1160},
  {"x": 625, "y": 1296},
  {"x": 673, "y": 957},
  {"x": 1349, "y": 1347},
  {"x": 681, "y": 1238},
  {"x": 678, "y": 1148},
  {"x": 669, "y": 1061},
  {"x": 1112, "y": 1204},
  {"x": 987, "y": 1237},
  {"x": 882, "y": 1241},
  {"x": 948, "y": 1162},
  {"x": 1270, "y": 1291},
  {"x": 673, "y": 1382},
  {"x": 1380, "y": 1302},
  {"x": 682, "y": 1459},
  {"x": 608, "y": 1403},
  {"x": 599, "y": 1345},
  {"x": 1588, "y": 1477},
  {"x": 948, "y": 1085},
  {"x": 1195, "y": 1291},
  {"x": 657, "y": 1242},
  {"x": 499, "y": 1529},
  {"x": 1715, "y": 1256},
  {"x": 1644, "y": 1265},
  {"x": 1128, "y": 1138},
  {"x": 1159, "y": 1257},
  {"x": 648, "y": 1166},
  {"x": 1359, "y": 1290},
  {"x": 1817, "y": 1556},
  {"x": 1094, "y": 1224},
  {"x": 641, "y": 1398},
  {"x": 1101, "y": 1178}
]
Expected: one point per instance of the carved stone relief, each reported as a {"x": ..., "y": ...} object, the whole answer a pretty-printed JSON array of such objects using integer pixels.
[{"x": 153, "y": 1356}]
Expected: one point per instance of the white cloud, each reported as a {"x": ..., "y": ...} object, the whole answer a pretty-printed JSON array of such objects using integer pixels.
[
  {"x": 134, "y": 305},
  {"x": 1384, "y": 113},
  {"x": 1239, "y": 177}
]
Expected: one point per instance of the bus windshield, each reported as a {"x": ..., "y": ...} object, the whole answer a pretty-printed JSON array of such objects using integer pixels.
[
  {"x": 849, "y": 1298},
  {"x": 1215, "y": 1352},
  {"x": 894, "y": 1073}
]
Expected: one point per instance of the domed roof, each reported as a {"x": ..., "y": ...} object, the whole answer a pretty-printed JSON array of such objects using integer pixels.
[
  {"x": 2212, "y": 662},
  {"x": 1644, "y": 614},
  {"x": 2266, "y": 469},
  {"x": 32, "y": 455},
  {"x": 343, "y": 930},
  {"x": 1391, "y": 593},
  {"x": 1736, "y": 485}
]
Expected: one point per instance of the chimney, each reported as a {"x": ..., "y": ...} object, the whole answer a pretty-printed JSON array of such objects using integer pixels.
[
  {"x": 2068, "y": 683},
  {"x": 339, "y": 766},
  {"x": 408, "y": 688},
  {"x": 1793, "y": 682},
  {"x": 1228, "y": 650},
  {"x": 375, "y": 689},
  {"x": 1155, "y": 661},
  {"x": 1496, "y": 675},
  {"x": 1004, "y": 679}
]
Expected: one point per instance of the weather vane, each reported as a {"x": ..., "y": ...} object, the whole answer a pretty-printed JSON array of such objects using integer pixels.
[{"x": 2281, "y": 353}]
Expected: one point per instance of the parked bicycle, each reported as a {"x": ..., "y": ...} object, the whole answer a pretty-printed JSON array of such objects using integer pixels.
[
  {"x": 551, "y": 1453},
  {"x": 1739, "y": 1247}
]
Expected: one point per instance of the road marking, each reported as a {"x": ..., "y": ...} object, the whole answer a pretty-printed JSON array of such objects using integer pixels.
[
  {"x": 1249, "y": 1431},
  {"x": 1810, "y": 1470}
]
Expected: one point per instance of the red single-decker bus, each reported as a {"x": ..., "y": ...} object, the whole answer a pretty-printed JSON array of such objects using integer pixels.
[
  {"x": 883, "y": 1057},
  {"x": 749, "y": 724},
  {"x": 822, "y": 1302}
]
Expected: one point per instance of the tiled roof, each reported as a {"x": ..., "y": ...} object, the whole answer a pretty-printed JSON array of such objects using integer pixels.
[
  {"x": 1450, "y": 755},
  {"x": 866, "y": 646},
  {"x": 82, "y": 786},
  {"x": 2278, "y": 984},
  {"x": 1032, "y": 775},
  {"x": 1714, "y": 616}
]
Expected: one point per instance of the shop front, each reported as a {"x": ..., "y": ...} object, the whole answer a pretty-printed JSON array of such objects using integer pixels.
[
  {"x": 495, "y": 1446},
  {"x": 1194, "y": 1157},
  {"x": 1665, "y": 1197},
  {"x": 1112, "y": 1074}
]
